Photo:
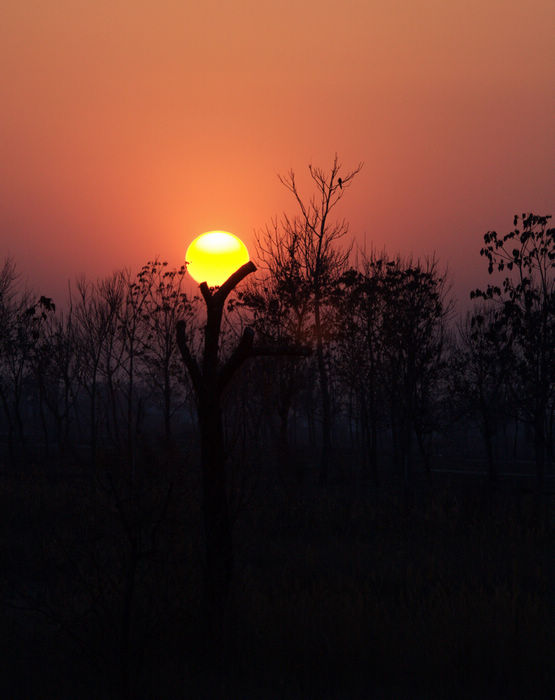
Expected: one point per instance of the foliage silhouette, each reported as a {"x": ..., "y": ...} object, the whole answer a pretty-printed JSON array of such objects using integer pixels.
[{"x": 527, "y": 299}]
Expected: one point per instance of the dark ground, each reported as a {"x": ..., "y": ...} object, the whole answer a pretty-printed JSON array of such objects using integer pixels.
[{"x": 339, "y": 592}]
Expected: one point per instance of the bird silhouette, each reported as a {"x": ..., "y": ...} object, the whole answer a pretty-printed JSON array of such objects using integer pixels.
[{"x": 340, "y": 181}]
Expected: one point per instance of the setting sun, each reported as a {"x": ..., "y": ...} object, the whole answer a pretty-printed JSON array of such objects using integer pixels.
[{"x": 213, "y": 256}]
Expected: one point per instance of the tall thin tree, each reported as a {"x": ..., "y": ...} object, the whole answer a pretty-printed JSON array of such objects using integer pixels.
[{"x": 306, "y": 246}]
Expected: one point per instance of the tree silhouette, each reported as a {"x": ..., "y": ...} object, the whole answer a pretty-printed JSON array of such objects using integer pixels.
[
  {"x": 527, "y": 300},
  {"x": 304, "y": 251},
  {"x": 481, "y": 365},
  {"x": 97, "y": 316},
  {"x": 210, "y": 378},
  {"x": 392, "y": 338},
  {"x": 165, "y": 303},
  {"x": 279, "y": 310},
  {"x": 359, "y": 349},
  {"x": 22, "y": 321}
]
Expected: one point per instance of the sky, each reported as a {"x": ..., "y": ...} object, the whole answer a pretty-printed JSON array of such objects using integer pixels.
[{"x": 129, "y": 127}]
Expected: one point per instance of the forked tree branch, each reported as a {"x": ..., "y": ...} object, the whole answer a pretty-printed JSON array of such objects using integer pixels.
[
  {"x": 214, "y": 302},
  {"x": 206, "y": 293},
  {"x": 246, "y": 350},
  {"x": 220, "y": 295},
  {"x": 229, "y": 285},
  {"x": 240, "y": 354}
]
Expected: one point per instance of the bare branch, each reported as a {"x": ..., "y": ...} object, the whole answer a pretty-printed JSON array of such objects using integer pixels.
[
  {"x": 233, "y": 281},
  {"x": 239, "y": 356},
  {"x": 285, "y": 350},
  {"x": 188, "y": 359},
  {"x": 206, "y": 293}
]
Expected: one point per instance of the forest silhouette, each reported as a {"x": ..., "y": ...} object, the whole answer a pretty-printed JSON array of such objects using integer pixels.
[{"x": 315, "y": 481}]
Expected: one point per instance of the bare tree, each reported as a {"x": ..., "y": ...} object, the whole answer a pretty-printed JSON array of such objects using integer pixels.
[
  {"x": 131, "y": 316},
  {"x": 413, "y": 329},
  {"x": 279, "y": 312},
  {"x": 8, "y": 313},
  {"x": 22, "y": 320},
  {"x": 96, "y": 314},
  {"x": 165, "y": 303},
  {"x": 481, "y": 367},
  {"x": 359, "y": 350},
  {"x": 303, "y": 252},
  {"x": 210, "y": 378}
]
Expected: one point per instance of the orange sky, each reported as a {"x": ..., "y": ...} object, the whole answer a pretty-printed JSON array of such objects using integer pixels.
[{"x": 127, "y": 128}]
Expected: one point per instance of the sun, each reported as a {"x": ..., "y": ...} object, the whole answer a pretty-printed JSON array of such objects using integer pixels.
[{"x": 214, "y": 256}]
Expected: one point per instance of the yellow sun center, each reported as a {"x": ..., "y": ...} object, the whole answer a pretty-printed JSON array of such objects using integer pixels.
[{"x": 214, "y": 256}]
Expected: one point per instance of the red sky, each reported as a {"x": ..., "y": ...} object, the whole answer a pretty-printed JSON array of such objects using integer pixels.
[{"x": 128, "y": 128}]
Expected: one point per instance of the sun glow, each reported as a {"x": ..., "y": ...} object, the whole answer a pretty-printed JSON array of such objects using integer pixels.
[{"x": 213, "y": 256}]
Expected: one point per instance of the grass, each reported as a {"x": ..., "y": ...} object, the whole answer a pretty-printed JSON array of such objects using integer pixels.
[{"x": 341, "y": 592}]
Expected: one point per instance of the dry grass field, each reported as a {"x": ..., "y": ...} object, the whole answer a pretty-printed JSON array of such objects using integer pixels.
[{"x": 344, "y": 592}]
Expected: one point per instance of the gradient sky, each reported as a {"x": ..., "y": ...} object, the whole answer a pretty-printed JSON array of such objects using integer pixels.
[{"x": 129, "y": 127}]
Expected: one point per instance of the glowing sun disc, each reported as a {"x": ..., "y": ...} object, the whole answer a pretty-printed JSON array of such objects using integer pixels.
[{"x": 214, "y": 256}]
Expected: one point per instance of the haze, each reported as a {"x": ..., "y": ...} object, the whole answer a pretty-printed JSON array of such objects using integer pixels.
[{"x": 129, "y": 128}]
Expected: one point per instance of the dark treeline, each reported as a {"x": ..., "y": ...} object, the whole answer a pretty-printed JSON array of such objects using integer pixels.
[
  {"x": 396, "y": 378},
  {"x": 81, "y": 383},
  {"x": 364, "y": 565}
]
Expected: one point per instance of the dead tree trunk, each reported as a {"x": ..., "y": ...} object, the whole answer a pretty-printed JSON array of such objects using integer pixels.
[{"x": 209, "y": 380}]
